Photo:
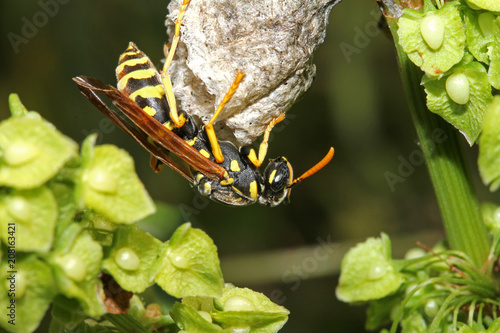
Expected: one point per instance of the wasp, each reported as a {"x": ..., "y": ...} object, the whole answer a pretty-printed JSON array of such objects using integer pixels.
[{"x": 220, "y": 170}]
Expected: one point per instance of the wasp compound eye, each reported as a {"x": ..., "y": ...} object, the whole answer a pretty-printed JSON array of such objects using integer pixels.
[
  {"x": 277, "y": 175},
  {"x": 277, "y": 178}
]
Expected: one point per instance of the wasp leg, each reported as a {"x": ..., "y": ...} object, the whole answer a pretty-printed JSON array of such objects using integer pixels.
[
  {"x": 169, "y": 54},
  {"x": 156, "y": 164},
  {"x": 216, "y": 151},
  {"x": 177, "y": 35},
  {"x": 169, "y": 93},
  {"x": 258, "y": 160}
]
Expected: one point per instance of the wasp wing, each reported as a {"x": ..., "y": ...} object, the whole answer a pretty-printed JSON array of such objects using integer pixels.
[{"x": 148, "y": 127}]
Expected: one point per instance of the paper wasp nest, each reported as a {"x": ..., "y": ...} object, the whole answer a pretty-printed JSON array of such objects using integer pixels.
[{"x": 271, "y": 41}]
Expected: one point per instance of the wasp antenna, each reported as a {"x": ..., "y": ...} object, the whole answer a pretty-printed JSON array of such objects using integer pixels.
[{"x": 315, "y": 168}]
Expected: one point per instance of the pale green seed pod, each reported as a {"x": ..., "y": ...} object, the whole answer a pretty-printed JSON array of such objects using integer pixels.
[
  {"x": 19, "y": 209},
  {"x": 238, "y": 303},
  {"x": 102, "y": 181},
  {"x": 458, "y": 88},
  {"x": 20, "y": 153},
  {"x": 485, "y": 21},
  {"x": 127, "y": 259},
  {"x": 179, "y": 261},
  {"x": 432, "y": 30},
  {"x": 74, "y": 267}
]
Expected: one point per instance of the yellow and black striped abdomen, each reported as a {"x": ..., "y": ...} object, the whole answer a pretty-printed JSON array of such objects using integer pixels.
[{"x": 140, "y": 81}]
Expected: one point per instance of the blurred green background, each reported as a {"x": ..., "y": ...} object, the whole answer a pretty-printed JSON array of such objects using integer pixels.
[{"x": 356, "y": 105}]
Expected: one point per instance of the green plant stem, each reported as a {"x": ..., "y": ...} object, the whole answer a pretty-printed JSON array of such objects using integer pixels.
[{"x": 449, "y": 174}]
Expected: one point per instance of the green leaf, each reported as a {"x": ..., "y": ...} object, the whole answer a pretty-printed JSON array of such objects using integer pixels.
[
  {"x": 30, "y": 217},
  {"x": 468, "y": 329},
  {"x": 494, "y": 53},
  {"x": 151, "y": 318},
  {"x": 468, "y": 117},
  {"x": 414, "y": 323},
  {"x": 380, "y": 310},
  {"x": 491, "y": 216},
  {"x": 31, "y": 151},
  {"x": 27, "y": 290},
  {"x": 247, "y": 309},
  {"x": 190, "y": 320},
  {"x": 66, "y": 205},
  {"x": 367, "y": 272},
  {"x": 202, "y": 303},
  {"x": 76, "y": 270},
  {"x": 494, "y": 326},
  {"x": 478, "y": 38},
  {"x": 110, "y": 186},
  {"x": 489, "y": 147},
  {"x": 66, "y": 315},
  {"x": 191, "y": 266},
  {"x": 491, "y": 5},
  {"x": 433, "y": 61},
  {"x": 134, "y": 259}
]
